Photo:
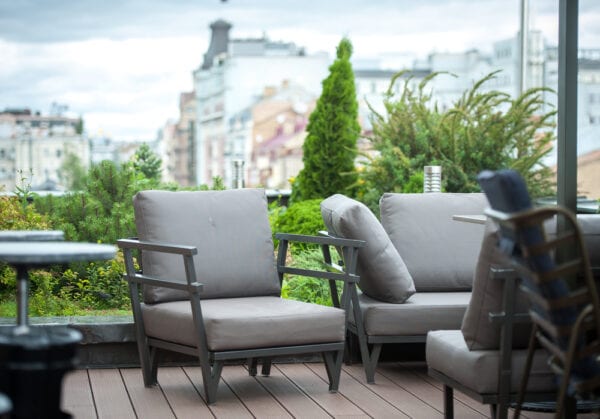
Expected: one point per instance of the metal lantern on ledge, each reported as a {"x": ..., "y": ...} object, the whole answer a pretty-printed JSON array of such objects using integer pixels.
[{"x": 432, "y": 179}]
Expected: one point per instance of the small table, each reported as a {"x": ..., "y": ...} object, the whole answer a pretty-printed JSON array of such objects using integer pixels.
[{"x": 33, "y": 360}]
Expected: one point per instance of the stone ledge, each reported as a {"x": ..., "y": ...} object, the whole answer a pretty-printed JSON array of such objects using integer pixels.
[{"x": 109, "y": 342}]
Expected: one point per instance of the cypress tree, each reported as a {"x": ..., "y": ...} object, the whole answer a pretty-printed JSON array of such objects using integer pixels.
[{"x": 333, "y": 130}]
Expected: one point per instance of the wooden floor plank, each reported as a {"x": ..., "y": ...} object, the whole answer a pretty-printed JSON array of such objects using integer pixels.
[
  {"x": 148, "y": 402},
  {"x": 77, "y": 398},
  {"x": 425, "y": 391},
  {"x": 318, "y": 389},
  {"x": 293, "y": 390},
  {"x": 255, "y": 397},
  {"x": 228, "y": 404},
  {"x": 110, "y": 395},
  {"x": 368, "y": 400},
  {"x": 525, "y": 414},
  {"x": 394, "y": 394},
  {"x": 463, "y": 398},
  {"x": 181, "y": 394},
  {"x": 290, "y": 396}
]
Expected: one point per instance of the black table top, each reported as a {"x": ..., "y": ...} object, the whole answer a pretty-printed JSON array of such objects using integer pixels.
[{"x": 49, "y": 253}]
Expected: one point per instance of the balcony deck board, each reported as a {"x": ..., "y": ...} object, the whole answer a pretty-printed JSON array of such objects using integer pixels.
[{"x": 292, "y": 390}]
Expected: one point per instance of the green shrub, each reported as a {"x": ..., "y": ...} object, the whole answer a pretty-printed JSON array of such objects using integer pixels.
[
  {"x": 482, "y": 130},
  {"x": 302, "y": 217},
  {"x": 330, "y": 149},
  {"x": 307, "y": 289}
]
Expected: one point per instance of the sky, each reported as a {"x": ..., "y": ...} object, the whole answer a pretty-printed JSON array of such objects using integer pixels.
[{"x": 121, "y": 64}]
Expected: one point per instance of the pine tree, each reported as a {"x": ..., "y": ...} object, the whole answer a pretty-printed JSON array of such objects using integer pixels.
[
  {"x": 147, "y": 162},
  {"x": 333, "y": 130}
]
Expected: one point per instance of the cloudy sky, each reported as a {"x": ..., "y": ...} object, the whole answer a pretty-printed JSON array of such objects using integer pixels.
[{"x": 122, "y": 63}]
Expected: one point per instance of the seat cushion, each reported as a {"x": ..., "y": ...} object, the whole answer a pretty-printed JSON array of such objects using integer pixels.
[
  {"x": 231, "y": 231},
  {"x": 487, "y": 296},
  {"x": 447, "y": 352},
  {"x": 383, "y": 274},
  {"x": 244, "y": 323},
  {"x": 440, "y": 253},
  {"x": 424, "y": 311}
]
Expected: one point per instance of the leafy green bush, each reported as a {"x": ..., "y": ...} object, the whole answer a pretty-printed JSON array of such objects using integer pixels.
[
  {"x": 307, "y": 289},
  {"x": 482, "y": 130},
  {"x": 103, "y": 211},
  {"x": 302, "y": 217},
  {"x": 17, "y": 214}
]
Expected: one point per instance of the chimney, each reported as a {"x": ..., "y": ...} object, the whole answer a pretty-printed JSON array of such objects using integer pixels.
[{"x": 218, "y": 42}]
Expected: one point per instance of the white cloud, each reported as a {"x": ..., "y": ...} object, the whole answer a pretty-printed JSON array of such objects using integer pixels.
[{"x": 122, "y": 64}]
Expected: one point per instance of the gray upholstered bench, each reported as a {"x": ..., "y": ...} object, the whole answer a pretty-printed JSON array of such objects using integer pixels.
[{"x": 417, "y": 269}]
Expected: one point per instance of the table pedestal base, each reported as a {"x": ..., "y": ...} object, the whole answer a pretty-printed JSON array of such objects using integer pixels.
[{"x": 32, "y": 367}]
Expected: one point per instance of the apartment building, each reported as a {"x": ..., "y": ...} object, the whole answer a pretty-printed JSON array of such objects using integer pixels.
[
  {"x": 35, "y": 146},
  {"x": 232, "y": 76}
]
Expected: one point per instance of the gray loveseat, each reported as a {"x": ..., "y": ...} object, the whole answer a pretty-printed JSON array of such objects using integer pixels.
[{"x": 416, "y": 272}]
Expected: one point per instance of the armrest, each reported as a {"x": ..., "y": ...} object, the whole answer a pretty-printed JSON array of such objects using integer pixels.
[
  {"x": 334, "y": 271},
  {"x": 324, "y": 238},
  {"x": 194, "y": 287},
  {"x": 157, "y": 247},
  {"x": 187, "y": 253}
]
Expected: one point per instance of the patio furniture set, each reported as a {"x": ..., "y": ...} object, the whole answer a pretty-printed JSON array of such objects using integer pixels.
[{"x": 212, "y": 285}]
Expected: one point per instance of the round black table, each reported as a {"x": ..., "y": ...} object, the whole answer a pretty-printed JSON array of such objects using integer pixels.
[{"x": 33, "y": 360}]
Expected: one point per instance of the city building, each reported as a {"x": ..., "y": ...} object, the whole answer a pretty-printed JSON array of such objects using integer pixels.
[
  {"x": 34, "y": 147},
  {"x": 178, "y": 159},
  {"x": 276, "y": 127},
  {"x": 232, "y": 76}
]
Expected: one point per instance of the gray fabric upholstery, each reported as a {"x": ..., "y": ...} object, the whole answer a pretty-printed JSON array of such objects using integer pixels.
[
  {"x": 424, "y": 311},
  {"x": 244, "y": 323},
  {"x": 440, "y": 253},
  {"x": 205, "y": 220},
  {"x": 383, "y": 274},
  {"x": 447, "y": 352},
  {"x": 590, "y": 227},
  {"x": 478, "y": 331}
]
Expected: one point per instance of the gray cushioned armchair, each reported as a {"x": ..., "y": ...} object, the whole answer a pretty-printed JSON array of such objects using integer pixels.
[{"x": 211, "y": 285}]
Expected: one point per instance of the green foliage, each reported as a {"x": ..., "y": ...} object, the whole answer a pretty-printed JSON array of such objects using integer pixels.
[
  {"x": 333, "y": 130},
  {"x": 482, "y": 130},
  {"x": 299, "y": 218},
  {"x": 23, "y": 188},
  {"x": 79, "y": 127},
  {"x": 72, "y": 173},
  {"x": 304, "y": 288},
  {"x": 147, "y": 163},
  {"x": 103, "y": 211},
  {"x": 17, "y": 214}
]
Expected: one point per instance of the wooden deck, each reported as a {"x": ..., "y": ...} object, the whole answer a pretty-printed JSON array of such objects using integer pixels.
[{"x": 403, "y": 390}]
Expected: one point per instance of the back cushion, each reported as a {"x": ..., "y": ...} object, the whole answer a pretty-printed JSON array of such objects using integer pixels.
[
  {"x": 590, "y": 227},
  {"x": 440, "y": 253},
  {"x": 383, "y": 274},
  {"x": 487, "y": 297},
  {"x": 231, "y": 231}
]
